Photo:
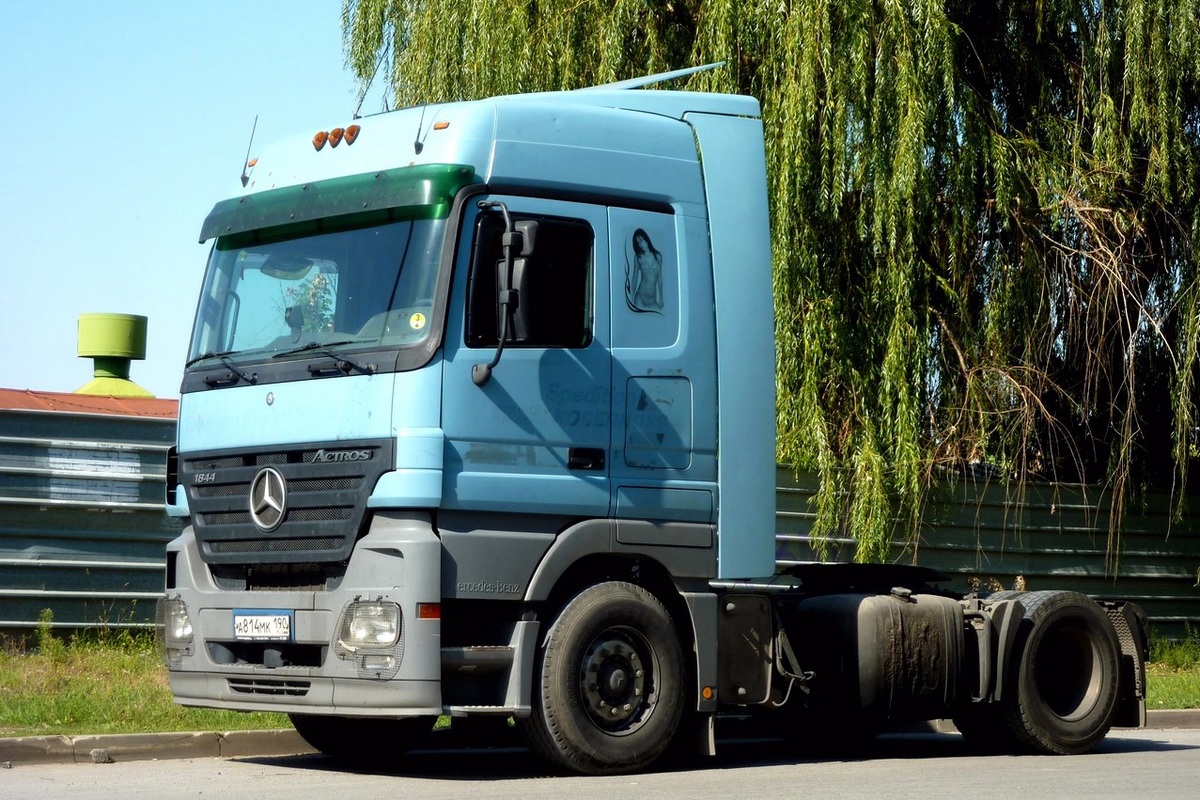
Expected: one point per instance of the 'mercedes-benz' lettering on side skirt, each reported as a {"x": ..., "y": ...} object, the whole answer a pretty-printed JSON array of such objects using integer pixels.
[{"x": 340, "y": 456}]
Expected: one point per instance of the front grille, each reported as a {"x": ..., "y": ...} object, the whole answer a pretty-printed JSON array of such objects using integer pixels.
[
  {"x": 269, "y": 686},
  {"x": 322, "y": 514},
  {"x": 225, "y": 463},
  {"x": 325, "y": 500},
  {"x": 300, "y": 485},
  {"x": 228, "y": 490},
  {"x": 229, "y": 518},
  {"x": 300, "y": 576},
  {"x": 295, "y": 577},
  {"x": 327, "y": 484},
  {"x": 274, "y": 545},
  {"x": 298, "y": 515}
]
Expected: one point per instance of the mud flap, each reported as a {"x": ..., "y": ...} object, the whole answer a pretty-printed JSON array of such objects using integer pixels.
[{"x": 1133, "y": 633}]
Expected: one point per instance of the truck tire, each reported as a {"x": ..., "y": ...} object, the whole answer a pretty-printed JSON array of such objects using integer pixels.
[
  {"x": 1061, "y": 688},
  {"x": 363, "y": 739},
  {"x": 610, "y": 682}
]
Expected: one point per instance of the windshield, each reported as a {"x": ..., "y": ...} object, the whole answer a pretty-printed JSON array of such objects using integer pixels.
[{"x": 365, "y": 286}]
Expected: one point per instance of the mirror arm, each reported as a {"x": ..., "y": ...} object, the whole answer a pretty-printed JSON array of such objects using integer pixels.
[{"x": 507, "y": 298}]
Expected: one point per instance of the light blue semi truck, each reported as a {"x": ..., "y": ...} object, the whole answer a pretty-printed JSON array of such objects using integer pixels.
[{"x": 478, "y": 420}]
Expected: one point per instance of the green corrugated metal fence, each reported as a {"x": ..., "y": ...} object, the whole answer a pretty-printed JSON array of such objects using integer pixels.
[
  {"x": 82, "y": 527},
  {"x": 83, "y": 532},
  {"x": 1056, "y": 537}
]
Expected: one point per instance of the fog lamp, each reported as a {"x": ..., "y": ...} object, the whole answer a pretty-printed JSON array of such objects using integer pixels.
[{"x": 376, "y": 663}]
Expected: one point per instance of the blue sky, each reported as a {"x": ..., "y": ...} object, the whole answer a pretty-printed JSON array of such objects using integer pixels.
[{"x": 121, "y": 124}]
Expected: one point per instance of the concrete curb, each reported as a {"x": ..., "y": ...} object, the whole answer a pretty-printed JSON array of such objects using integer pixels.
[
  {"x": 286, "y": 742},
  {"x": 1165, "y": 718},
  {"x": 146, "y": 746}
]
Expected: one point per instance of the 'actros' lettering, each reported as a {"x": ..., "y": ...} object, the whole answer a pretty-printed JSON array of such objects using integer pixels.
[{"x": 339, "y": 456}]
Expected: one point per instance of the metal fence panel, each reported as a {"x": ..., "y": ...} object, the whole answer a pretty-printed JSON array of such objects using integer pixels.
[
  {"x": 82, "y": 527},
  {"x": 83, "y": 532},
  {"x": 1049, "y": 537}
]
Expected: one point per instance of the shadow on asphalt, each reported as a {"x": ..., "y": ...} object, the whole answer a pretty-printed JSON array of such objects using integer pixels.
[{"x": 458, "y": 761}]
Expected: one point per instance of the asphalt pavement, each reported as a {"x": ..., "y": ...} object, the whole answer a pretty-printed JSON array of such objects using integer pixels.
[{"x": 104, "y": 748}]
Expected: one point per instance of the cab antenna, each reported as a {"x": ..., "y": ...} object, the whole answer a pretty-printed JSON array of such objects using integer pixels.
[{"x": 246, "y": 163}]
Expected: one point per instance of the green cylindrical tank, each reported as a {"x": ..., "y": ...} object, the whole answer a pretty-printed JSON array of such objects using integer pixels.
[{"x": 112, "y": 340}]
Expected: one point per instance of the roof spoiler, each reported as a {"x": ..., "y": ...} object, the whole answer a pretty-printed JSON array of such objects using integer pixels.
[{"x": 650, "y": 80}]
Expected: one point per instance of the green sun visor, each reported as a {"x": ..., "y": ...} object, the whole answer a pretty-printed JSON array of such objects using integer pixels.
[{"x": 425, "y": 191}]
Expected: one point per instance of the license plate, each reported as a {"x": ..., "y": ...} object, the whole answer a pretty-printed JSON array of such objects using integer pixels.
[{"x": 262, "y": 625}]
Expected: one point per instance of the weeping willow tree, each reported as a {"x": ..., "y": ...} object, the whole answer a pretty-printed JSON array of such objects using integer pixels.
[{"x": 984, "y": 217}]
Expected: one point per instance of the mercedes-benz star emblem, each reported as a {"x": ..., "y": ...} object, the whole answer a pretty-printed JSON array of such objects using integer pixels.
[{"x": 268, "y": 499}]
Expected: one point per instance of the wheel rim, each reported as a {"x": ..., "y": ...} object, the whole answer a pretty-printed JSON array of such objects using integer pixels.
[
  {"x": 617, "y": 677},
  {"x": 1068, "y": 674}
]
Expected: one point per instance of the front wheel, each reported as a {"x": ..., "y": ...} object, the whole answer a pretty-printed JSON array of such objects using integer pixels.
[{"x": 611, "y": 682}]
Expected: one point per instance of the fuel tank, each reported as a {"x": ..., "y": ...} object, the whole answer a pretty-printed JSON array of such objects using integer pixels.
[{"x": 893, "y": 656}]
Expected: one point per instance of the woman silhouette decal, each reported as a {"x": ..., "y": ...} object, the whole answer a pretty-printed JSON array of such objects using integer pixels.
[{"x": 643, "y": 275}]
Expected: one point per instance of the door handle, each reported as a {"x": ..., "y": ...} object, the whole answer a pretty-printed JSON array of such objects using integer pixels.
[{"x": 585, "y": 458}]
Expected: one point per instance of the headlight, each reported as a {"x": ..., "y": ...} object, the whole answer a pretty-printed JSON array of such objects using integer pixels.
[
  {"x": 371, "y": 634},
  {"x": 372, "y": 625}
]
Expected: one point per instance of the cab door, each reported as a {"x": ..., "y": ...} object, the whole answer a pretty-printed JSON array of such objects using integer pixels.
[{"x": 535, "y": 438}]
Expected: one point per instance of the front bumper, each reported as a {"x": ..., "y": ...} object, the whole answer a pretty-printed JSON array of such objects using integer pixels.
[{"x": 398, "y": 561}]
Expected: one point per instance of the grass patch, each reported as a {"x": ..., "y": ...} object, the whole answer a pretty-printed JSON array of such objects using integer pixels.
[
  {"x": 107, "y": 682},
  {"x": 1173, "y": 675},
  {"x": 1172, "y": 688},
  {"x": 1183, "y": 654}
]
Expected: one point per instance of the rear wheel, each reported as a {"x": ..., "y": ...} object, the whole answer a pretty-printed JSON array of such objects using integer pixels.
[
  {"x": 362, "y": 739},
  {"x": 611, "y": 682},
  {"x": 1066, "y": 679},
  {"x": 1061, "y": 688}
]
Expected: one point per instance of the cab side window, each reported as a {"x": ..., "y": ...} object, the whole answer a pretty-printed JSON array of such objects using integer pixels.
[{"x": 556, "y": 298}]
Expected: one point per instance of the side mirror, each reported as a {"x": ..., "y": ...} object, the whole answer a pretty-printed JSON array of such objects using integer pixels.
[
  {"x": 512, "y": 288},
  {"x": 521, "y": 275},
  {"x": 512, "y": 274},
  {"x": 519, "y": 329},
  {"x": 528, "y": 230}
]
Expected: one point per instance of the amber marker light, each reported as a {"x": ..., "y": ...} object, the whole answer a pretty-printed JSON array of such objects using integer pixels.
[
  {"x": 429, "y": 611},
  {"x": 335, "y": 137},
  {"x": 352, "y": 133},
  {"x": 707, "y": 693},
  {"x": 441, "y": 126},
  {"x": 319, "y": 139}
]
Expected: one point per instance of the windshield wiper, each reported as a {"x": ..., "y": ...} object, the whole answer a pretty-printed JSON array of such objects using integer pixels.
[
  {"x": 230, "y": 364},
  {"x": 343, "y": 363}
]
